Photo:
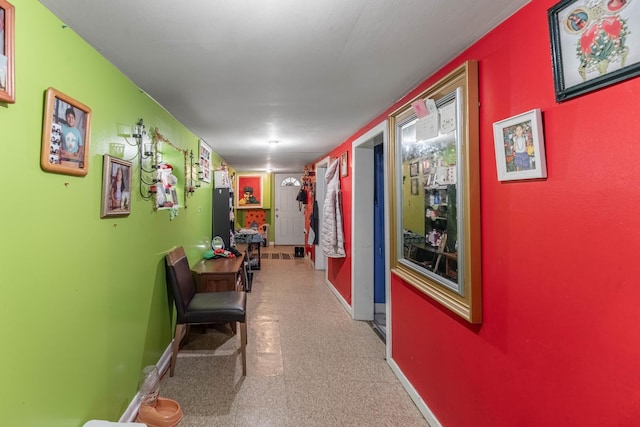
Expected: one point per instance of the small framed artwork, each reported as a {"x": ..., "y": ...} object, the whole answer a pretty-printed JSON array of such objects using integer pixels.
[
  {"x": 205, "y": 161},
  {"x": 7, "y": 84},
  {"x": 414, "y": 186},
  {"x": 116, "y": 187},
  {"x": 519, "y": 146},
  {"x": 65, "y": 135},
  {"x": 344, "y": 164},
  {"x": 249, "y": 191},
  {"x": 413, "y": 169},
  {"x": 592, "y": 44},
  {"x": 426, "y": 166}
]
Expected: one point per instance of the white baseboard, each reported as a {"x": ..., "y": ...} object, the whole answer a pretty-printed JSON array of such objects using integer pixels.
[
  {"x": 340, "y": 298},
  {"x": 165, "y": 360},
  {"x": 163, "y": 365},
  {"x": 132, "y": 410},
  {"x": 422, "y": 406}
]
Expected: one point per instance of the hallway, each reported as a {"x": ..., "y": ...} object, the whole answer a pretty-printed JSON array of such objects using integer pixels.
[{"x": 309, "y": 363}]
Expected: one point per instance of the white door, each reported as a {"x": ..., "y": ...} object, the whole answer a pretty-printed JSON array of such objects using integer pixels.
[{"x": 289, "y": 219}]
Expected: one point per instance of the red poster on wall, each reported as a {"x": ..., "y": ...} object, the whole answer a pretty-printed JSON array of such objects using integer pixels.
[{"x": 249, "y": 192}]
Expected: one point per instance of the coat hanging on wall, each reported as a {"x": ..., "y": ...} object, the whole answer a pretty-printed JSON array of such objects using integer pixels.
[
  {"x": 302, "y": 197},
  {"x": 332, "y": 233}
]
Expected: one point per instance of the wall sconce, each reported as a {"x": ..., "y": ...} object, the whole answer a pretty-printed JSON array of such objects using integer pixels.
[
  {"x": 194, "y": 170},
  {"x": 147, "y": 161}
]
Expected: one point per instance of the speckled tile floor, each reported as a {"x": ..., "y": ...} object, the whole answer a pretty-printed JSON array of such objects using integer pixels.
[{"x": 308, "y": 362}]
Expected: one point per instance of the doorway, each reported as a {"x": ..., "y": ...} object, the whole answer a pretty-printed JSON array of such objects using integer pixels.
[
  {"x": 289, "y": 218},
  {"x": 379, "y": 243},
  {"x": 367, "y": 249}
]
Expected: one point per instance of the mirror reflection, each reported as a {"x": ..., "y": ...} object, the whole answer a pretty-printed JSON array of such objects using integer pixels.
[{"x": 429, "y": 209}]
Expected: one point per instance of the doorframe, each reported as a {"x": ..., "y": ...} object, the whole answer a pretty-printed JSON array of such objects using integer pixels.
[
  {"x": 320, "y": 260},
  {"x": 362, "y": 203},
  {"x": 276, "y": 189}
]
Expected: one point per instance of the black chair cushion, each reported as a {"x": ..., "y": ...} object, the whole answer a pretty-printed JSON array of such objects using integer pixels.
[{"x": 216, "y": 307}]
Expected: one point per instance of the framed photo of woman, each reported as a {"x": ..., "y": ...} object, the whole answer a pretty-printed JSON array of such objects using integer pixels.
[{"x": 116, "y": 187}]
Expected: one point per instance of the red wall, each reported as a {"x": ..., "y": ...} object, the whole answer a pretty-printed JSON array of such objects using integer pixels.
[
  {"x": 339, "y": 269},
  {"x": 560, "y": 340},
  {"x": 559, "y": 344}
]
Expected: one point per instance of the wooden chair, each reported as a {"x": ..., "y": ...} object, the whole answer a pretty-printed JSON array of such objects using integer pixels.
[
  {"x": 438, "y": 258},
  {"x": 199, "y": 308}
]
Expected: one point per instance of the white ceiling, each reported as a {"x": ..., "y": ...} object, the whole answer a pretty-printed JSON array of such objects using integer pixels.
[{"x": 238, "y": 73}]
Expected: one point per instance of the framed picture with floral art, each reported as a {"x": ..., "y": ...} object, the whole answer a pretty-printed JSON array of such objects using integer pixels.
[{"x": 594, "y": 44}]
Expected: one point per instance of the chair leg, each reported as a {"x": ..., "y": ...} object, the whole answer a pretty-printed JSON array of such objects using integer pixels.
[
  {"x": 243, "y": 347},
  {"x": 175, "y": 346}
]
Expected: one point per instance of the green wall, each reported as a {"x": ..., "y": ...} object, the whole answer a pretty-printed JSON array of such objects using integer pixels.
[
  {"x": 84, "y": 304},
  {"x": 413, "y": 206}
]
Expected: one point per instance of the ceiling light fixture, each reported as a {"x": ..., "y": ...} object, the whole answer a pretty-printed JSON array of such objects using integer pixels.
[{"x": 274, "y": 141}]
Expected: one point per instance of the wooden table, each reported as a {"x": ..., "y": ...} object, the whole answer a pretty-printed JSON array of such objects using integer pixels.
[
  {"x": 220, "y": 274},
  {"x": 418, "y": 254}
]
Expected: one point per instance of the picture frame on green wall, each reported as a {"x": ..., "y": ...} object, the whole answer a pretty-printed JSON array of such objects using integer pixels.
[
  {"x": 205, "y": 161},
  {"x": 66, "y": 135},
  {"x": 116, "y": 187},
  {"x": 7, "y": 81},
  {"x": 249, "y": 191},
  {"x": 593, "y": 44},
  {"x": 414, "y": 187},
  {"x": 413, "y": 168}
]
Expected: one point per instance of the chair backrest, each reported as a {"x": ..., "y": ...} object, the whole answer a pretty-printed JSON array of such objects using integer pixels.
[{"x": 179, "y": 280}]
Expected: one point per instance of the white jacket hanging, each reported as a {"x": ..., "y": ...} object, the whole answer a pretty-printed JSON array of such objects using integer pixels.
[{"x": 332, "y": 236}]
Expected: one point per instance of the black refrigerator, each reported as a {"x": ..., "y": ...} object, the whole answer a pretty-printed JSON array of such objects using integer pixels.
[{"x": 221, "y": 211}]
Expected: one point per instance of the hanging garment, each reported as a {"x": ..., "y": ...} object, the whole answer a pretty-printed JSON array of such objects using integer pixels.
[
  {"x": 332, "y": 242},
  {"x": 302, "y": 197},
  {"x": 315, "y": 219}
]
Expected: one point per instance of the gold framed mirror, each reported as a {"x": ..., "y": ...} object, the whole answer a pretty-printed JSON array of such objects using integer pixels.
[{"x": 435, "y": 192}]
